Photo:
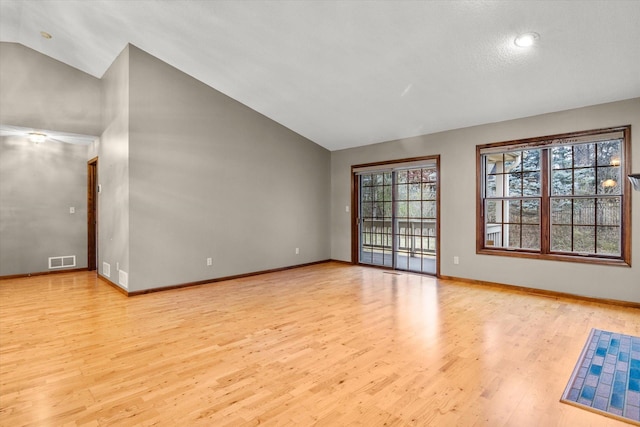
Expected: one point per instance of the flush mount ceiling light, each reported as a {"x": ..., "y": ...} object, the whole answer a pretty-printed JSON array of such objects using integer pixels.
[
  {"x": 526, "y": 39},
  {"x": 37, "y": 137},
  {"x": 45, "y": 35}
]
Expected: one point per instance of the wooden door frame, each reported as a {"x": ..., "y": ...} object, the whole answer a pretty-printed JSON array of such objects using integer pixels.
[
  {"x": 92, "y": 214},
  {"x": 355, "y": 205}
]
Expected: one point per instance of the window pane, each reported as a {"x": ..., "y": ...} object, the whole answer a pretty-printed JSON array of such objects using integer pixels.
[
  {"x": 387, "y": 178},
  {"x": 561, "y": 237},
  {"x": 531, "y": 183},
  {"x": 415, "y": 191},
  {"x": 490, "y": 162},
  {"x": 491, "y": 190},
  {"x": 428, "y": 209},
  {"x": 609, "y": 211},
  {"x": 402, "y": 191},
  {"x": 365, "y": 194},
  {"x": 493, "y": 211},
  {"x": 428, "y": 191},
  {"x": 367, "y": 209},
  {"x": 515, "y": 184},
  {"x": 584, "y": 239},
  {"x": 531, "y": 160},
  {"x": 561, "y": 157},
  {"x": 366, "y": 180},
  {"x": 584, "y": 211},
  {"x": 415, "y": 210},
  {"x": 402, "y": 209},
  {"x": 513, "y": 210},
  {"x": 561, "y": 211},
  {"x": 609, "y": 180},
  {"x": 388, "y": 193},
  {"x": 512, "y": 233},
  {"x": 512, "y": 162},
  {"x": 493, "y": 235},
  {"x": 531, "y": 211},
  {"x": 608, "y": 240},
  {"x": 561, "y": 182},
  {"x": 429, "y": 175},
  {"x": 584, "y": 155},
  {"x": 609, "y": 153},
  {"x": 585, "y": 181},
  {"x": 531, "y": 236},
  {"x": 387, "y": 206},
  {"x": 401, "y": 177}
]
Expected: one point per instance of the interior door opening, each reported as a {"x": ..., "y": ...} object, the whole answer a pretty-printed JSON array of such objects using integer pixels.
[
  {"x": 92, "y": 213},
  {"x": 397, "y": 215}
]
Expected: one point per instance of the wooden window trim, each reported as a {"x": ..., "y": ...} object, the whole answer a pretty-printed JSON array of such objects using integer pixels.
[{"x": 545, "y": 254}]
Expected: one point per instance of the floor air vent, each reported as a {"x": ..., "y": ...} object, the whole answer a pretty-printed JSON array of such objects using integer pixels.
[{"x": 62, "y": 262}]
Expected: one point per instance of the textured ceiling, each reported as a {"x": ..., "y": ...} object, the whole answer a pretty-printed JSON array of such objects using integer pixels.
[{"x": 351, "y": 73}]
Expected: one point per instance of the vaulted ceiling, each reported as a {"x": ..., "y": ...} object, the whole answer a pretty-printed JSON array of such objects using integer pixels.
[{"x": 351, "y": 73}]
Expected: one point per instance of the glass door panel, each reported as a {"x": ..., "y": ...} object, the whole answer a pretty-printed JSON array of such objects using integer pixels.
[
  {"x": 376, "y": 220},
  {"x": 398, "y": 219},
  {"x": 415, "y": 220}
]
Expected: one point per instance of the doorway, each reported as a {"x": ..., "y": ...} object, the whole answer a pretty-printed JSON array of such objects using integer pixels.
[
  {"x": 397, "y": 215},
  {"x": 92, "y": 214}
]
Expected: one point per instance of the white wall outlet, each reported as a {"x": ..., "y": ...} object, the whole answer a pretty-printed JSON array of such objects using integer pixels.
[
  {"x": 456, "y": 260},
  {"x": 297, "y": 251},
  {"x": 346, "y": 208},
  {"x": 209, "y": 262},
  {"x": 72, "y": 210}
]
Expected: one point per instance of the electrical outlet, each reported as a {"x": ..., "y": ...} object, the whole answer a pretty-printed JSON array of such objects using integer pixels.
[
  {"x": 456, "y": 260},
  {"x": 72, "y": 210},
  {"x": 346, "y": 208},
  {"x": 209, "y": 262},
  {"x": 297, "y": 251}
]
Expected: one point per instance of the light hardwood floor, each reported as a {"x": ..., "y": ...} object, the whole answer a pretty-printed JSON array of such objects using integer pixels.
[{"x": 329, "y": 344}]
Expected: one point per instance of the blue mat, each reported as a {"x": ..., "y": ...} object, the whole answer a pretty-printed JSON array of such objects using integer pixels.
[{"x": 606, "y": 378}]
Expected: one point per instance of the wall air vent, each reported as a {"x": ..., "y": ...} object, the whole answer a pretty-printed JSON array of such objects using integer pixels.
[
  {"x": 106, "y": 269},
  {"x": 62, "y": 262},
  {"x": 123, "y": 279}
]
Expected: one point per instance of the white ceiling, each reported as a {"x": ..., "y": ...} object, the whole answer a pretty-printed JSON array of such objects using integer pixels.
[{"x": 351, "y": 73}]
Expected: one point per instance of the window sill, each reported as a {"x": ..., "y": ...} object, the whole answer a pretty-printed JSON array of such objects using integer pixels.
[{"x": 583, "y": 259}]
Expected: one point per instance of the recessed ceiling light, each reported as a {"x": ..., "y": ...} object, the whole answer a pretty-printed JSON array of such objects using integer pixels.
[
  {"x": 45, "y": 35},
  {"x": 526, "y": 39}
]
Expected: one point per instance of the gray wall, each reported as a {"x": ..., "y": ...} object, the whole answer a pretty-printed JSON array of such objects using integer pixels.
[
  {"x": 113, "y": 170},
  {"x": 458, "y": 198},
  {"x": 209, "y": 177},
  {"x": 39, "y": 183},
  {"x": 39, "y": 92}
]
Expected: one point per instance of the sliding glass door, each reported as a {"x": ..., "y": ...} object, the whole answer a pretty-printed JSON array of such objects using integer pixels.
[
  {"x": 398, "y": 216},
  {"x": 376, "y": 218}
]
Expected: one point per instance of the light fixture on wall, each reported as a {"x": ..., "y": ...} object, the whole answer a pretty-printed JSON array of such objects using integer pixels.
[
  {"x": 609, "y": 183},
  {"x": 635, "y": 181},
  {"x": 37, "y": 137}
]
